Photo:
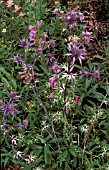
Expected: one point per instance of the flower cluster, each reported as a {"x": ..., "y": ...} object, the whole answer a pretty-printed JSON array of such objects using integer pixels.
[
  {"x": 36, "y": 37},
  {"x": 52, "y": 81},
  {"x": 90, "y": 19},
  {"x": 26, "y": 75},
  {"x": 16, "y": 8}
]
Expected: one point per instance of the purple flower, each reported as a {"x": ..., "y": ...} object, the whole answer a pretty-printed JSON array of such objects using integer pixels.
[
  {"x": 25, "y": 122},
  {"x": 38, "y": 23},
  {"x": 86, "y": 37},
  {"x": 17, "y": 59},
  {"x": 85, "y": 72},
  {"x": 56, "y": 68},
  {"x": 76, "y": 52},
  {"x": 50, "y": 58},
  {"x": 13, "y": 95},
  {"x": 23, "y": 43},
  {"x": 19, "y": 125},
  {"x": 95, "y": 74},
  {"x": 51, "y": 43},
  {"x": 71, "y": 18},
  {"x": 10, "y": 108}
]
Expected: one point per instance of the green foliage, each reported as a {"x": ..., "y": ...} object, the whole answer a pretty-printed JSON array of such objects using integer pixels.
[{"x": 52, "y": 139}]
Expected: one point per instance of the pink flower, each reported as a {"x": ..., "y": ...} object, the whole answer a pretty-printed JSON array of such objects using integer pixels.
[
  {"x": 22, "y": 74},
  {"x": 39, "y": 48},
  {"x": 9, "y": 3},
  {"x": 67, "y": 112},
  {"x": 50, "y": 96},
  {"x": 76, "y": 100},
  {"x": 45, "y": 35},
  {"x": 22, "y": 14},
  {"x": 42, "y": 41},
  {"x": 52, "y": 81},
  {"x": 56, "y": 11},
  {"x": 16, "y": 8},
  {"x": 31, "y": 27},
  {"x": 38, "y": 23},
  {"x": 91, "y": 23},
  {"x": 85, "y": 27}
]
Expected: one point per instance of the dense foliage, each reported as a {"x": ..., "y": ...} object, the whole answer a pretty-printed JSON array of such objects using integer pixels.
[{"x": 54, "y": 90}]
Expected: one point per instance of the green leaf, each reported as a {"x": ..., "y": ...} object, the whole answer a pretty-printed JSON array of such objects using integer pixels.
[
  {"x": 5, "y": 82},
  {"x": 44, "y": 69},
  {"x": 102, "y": 123},
  {"x": 40, "y": 138},
  {"x": 82, "y": 120},
  {"x": 47, "y": 154},
  {"x": 72, "y": 151},
  {"x": 87, "y": 83},
  {"x": 6, "y": 161}
]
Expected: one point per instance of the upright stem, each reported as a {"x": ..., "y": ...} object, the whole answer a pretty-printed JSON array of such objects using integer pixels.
[
  {"x": 35, "y": 90},
  {"x": 65, "y": 90}
]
